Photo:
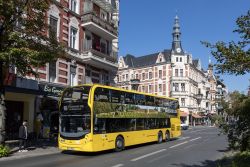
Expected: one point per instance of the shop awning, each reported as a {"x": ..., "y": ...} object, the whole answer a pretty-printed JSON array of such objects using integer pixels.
[
  {"x": 196, "y": 116},
  {"x": 183, "y": 114}
]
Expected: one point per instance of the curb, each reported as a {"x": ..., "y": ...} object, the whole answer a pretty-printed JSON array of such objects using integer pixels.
[{"x": 20, "y": 156}]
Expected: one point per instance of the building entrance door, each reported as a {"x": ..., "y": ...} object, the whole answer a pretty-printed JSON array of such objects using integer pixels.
[{"x": 14, "y": 118}]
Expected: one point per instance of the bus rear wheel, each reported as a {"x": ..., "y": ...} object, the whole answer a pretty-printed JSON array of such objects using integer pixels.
[
  {"x": 160, "y": 138},
  {"x": 167, "y": 136},
  {"x": 119, "y": 144}
]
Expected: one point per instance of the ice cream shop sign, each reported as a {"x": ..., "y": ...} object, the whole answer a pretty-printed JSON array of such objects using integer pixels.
[{"x": 51, "y": 89}]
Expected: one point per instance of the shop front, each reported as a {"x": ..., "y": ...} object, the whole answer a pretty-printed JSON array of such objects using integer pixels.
[
  {"x": 47, "y": 111},
  {"x": 20, "y": 94}
]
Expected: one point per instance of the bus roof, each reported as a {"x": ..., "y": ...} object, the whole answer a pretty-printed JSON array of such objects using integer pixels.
[{"x": 121, "y": 89}]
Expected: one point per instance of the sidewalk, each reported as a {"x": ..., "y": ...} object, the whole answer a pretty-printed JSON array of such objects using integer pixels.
[{"x": 40, "y": 147}]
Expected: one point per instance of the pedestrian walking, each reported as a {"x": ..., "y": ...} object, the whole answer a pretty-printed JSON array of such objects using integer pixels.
[
  {"x": 23, "y": 137},
  {"x": 39, "y": 125}
]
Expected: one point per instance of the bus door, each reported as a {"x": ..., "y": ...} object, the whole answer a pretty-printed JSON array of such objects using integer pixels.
[{"x": 100, "y": 133}]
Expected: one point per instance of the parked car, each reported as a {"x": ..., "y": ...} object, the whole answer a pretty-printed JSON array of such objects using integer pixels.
[{"x": 184, "y": 126}]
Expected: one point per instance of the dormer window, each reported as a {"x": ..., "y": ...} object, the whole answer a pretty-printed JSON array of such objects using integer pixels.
[{"x": 160, "y": 59}]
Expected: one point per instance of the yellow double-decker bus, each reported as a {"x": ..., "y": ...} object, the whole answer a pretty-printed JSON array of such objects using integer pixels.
[{"x": 96, "y": 118}]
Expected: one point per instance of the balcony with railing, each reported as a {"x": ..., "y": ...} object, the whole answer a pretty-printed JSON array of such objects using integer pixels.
[
  {"x": 179, "y": 78},
  {"x": 179, "y": 93},
  {"x": 99, "y": 26},
  {"x": 97, "y": 55},
  {"x": 107, "y": 6}
]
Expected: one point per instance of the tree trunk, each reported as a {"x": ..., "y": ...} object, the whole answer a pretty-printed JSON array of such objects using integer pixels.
[
  {"x": 2, "y": 106},
  {"x": 2, "y": 119}
]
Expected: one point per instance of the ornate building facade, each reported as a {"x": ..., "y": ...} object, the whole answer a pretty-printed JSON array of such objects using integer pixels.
[
  {"x": 172, "y": 73},
  {"x": 89, "y": 31}
]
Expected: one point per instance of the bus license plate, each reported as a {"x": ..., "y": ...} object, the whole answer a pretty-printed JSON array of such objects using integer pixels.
[{"x": 70, "y": 148}]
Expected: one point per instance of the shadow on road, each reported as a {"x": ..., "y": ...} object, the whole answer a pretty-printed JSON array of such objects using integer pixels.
[{"x": 225, "y": 162}]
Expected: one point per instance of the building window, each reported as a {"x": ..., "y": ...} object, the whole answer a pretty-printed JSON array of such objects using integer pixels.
[
  {"x": 176, "y": 87},
  {"x": 150, "y": 75},
  {"x": 52, "y": 71},
  {"x": 183, "y": 87},
  {"x": 182, "y": 101},
  {"x": 123, "y": 77},
  {"x": 180, "y": 59},
  {"x": 160, "y": 73},
  {"x": 103, "y": 48},
  {"x": 176, "y": 59},
  {"x": 73, "y": 6},
  {"x": 103, "y": 15},
  {"x": 126, "y": 77},
  {"x": 181, "y": 72},
  {"x": 88, "y": 72},
  {"x": 160, "y": 87},
  {"x": 207, "y": 93},
  {"x": 149, "y": 88},
  {"x": 176, "y": 72},
  {"x": 73, "y": 33},
  {"x": 53, "y": 27},
  {"x": 143, "y": 76},
  {"x": 143, "y": 88},
  {"x": 199, "y": 91},
  {"x": 72, "y": 75},
  {"x": 137, "y": 77}
]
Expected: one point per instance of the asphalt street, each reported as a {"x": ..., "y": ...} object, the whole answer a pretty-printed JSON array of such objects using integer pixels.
[{"x": 198, "y": 147}]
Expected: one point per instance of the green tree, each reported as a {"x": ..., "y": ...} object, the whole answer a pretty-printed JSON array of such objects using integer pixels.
[
  {"x": 24, "y": 42},
  {"x": 234, "y": 57},
  {"x": 238, "y": 125}
]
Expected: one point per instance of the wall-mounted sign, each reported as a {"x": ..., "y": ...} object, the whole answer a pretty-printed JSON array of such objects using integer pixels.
[{"x": 51, "y": 90}]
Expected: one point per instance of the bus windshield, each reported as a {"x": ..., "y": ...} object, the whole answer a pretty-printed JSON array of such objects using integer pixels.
[{"x": 75, "y": 112}]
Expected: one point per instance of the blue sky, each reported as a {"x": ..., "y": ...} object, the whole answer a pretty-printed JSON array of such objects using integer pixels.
[{"x": 146, "y": 27}]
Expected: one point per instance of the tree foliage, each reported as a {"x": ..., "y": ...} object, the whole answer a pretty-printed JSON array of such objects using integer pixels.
[
  {"x": 24, "y": 40},
  {"x": 238, "y": 124},
  {"x": 234, "y": 57}
]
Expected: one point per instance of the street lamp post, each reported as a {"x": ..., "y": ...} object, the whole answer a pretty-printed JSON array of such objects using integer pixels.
[{"x": 199, "y": 98}]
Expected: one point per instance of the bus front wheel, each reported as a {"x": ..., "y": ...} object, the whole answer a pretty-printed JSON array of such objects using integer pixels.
[
  {"x": 160, "y": 138},
  {"x": 119, "y": 144}
]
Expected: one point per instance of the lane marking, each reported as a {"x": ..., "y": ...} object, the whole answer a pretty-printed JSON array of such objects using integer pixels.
[
  {"x": 195, "y": 139},
  {"x": 179, "y": 144},
  {"x": 196, "y": 130},
  {"x": 183, "y": 138},
  {"x": 118, "y": 165},
  {"x": 147, "y": 155}
]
